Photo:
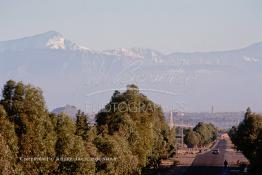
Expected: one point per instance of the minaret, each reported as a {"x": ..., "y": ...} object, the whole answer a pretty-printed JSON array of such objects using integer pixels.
[{"x": 171, "y": 120}]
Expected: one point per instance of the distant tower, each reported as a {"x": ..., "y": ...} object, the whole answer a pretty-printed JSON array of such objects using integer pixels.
[
  {"x": 171, "y": 120},
  {"x": 212, "y": 109}
]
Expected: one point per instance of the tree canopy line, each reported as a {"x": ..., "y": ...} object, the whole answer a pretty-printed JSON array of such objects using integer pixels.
[
  {"x": 35, "y": 141},
  {"x": 202, "y": 134},
  {"x": 247, "y": 137}
]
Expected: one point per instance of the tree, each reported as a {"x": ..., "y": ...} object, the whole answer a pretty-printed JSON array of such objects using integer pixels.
[
  {"x": 8, "y": 144},
  {"x": 137, "y": 121},
  {"x": 18, "y": 98},
  {"x": 247, "y": 137},
  {"x": 192, "y": 138},
  {"x": 82, "y": 126},
  {"x": 8, "y": 94},
  {"x": 70, "y": 149},
  {"x": 8, "y": 131},
  {"x": 131, "y": 131},
  {"x": 7, "y": 160},
  {"x": 35, "y": 132},
  {"x": 25, "y": 107},
  {"x": 248, "y": 112},
  {"x": 206, "y": 131},
  {"x": 121, "y": 160},
  {"x": 256, "y": 162}
]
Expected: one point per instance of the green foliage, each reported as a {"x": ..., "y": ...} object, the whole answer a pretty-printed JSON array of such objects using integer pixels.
[
  {"x": 7, "y": 130},
  {"x": 117, "y": 149},
  {"x": 6, "y": 158},
  {"x": 82, "y": 126},
  {"x": 8, "y": 145},
  {"x": 248, "y": 138},
  {"x": 202, "y": 134},
  {"x": 139, "y": 123},
  {"x": 8, "y": 94},
  {"x": 130, "y": 136},
  {"x": 207, "y": 133},
  {"x": 26, "y": 110},
  {"x": 34, "y": 129},
  {"x": 192, "y": 138},
  {"x": 70, "y": 149}
]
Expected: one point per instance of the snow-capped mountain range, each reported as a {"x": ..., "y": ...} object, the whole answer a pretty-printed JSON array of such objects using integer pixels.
[
  {"x": 73, "y": 74},
  {"x": 48, "y": 40}
]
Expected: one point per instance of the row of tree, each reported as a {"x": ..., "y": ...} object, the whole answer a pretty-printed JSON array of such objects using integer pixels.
[
  {"x": 34, "y": 141},
  {"x": 202, "y": 134},
  {"x": 247, "y": 137}
]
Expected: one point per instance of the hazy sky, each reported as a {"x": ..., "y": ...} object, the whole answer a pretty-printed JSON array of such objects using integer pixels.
[{"x": 165, "y": 25}]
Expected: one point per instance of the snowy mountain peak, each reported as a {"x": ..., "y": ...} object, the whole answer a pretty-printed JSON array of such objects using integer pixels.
[
  {"x": 47, "y": 40},
  {"x": 136, "y": 53},
  {"x": 124, "y": 52},
  {"x": 56, "y": 42}
]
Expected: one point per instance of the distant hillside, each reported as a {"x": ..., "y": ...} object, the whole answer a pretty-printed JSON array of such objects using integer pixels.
[
  {"x": 69, "y": 110},
  {"x": 73, "y": 74}
]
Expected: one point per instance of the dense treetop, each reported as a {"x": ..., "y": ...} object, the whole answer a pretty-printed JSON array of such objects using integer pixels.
[
  {"x": 247, "y": 136},
  {"x": 129, "y": 137}
]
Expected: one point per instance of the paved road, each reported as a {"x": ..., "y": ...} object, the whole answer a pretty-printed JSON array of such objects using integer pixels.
[{"x": 213, "y": 164}]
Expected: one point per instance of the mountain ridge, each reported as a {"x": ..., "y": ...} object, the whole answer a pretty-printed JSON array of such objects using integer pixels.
[
  {"x": 60, "y": 42},
  {"x": 47, "y": 40},
  {"x": 68, "y": 74}
]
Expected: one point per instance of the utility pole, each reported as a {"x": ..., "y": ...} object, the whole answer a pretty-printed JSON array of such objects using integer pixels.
[{"x": 182, "y": 132}]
